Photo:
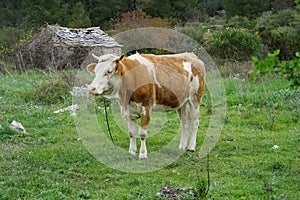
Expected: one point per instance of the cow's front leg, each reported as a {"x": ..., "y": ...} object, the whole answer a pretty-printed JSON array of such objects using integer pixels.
[
  {"x": 143, "y": 148},
  {"x": 132, "y": 134},
  {"x": 143, "y": 132}
]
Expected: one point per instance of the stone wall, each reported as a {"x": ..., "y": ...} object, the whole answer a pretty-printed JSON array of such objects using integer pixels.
[{"x": 62, "y": 48}]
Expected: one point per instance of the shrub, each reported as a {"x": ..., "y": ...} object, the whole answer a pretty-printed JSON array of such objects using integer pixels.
[
  {"x": 281, "y": 30},
  {"x": 195, "y": 32},
  {"x": 240, "y": 22},
  {"x": 269, "y": 20},
  {"x": 51, "y": 92},
  {"x": 54, "y": 90},
  {"x": 289, "y": 70},
  {"x": 234, "y": 43},
  {"x": 138, "y": 18},
  {"x": 287, "y": 39}
]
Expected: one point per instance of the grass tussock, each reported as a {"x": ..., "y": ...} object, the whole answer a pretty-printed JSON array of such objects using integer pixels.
[{"x": 51, "y": 92}]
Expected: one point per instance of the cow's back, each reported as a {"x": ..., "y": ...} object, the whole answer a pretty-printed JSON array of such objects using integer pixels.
[
  {"x": 174, "y": 79},
  {"x": 168, "y": 80}
]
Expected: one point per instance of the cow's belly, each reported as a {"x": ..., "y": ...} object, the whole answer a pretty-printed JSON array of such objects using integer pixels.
[
  {"x": 163, "y": 108},
  {"x": 136, "y": 110}
]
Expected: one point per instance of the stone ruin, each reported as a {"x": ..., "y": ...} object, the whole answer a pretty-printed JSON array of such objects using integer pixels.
[{"x": 64, "y": 48}]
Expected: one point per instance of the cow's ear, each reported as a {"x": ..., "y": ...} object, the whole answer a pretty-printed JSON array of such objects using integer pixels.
[
  {"x": 121, "y": 57},
  {"x": 91, "y": 68},
  {"x": 119, "y": 69}
]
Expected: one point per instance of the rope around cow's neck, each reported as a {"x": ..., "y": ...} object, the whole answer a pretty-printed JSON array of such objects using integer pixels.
[{"x": 107, "y": 123}]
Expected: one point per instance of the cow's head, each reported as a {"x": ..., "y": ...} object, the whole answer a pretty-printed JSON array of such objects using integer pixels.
[{"x": 105, "y": 81}]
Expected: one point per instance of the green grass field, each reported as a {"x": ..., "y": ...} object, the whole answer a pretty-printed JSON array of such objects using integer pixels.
[{"x": 51, "y": 162}]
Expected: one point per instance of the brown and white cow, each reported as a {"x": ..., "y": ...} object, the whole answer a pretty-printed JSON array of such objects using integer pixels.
[{"x": 144, "y": 83}]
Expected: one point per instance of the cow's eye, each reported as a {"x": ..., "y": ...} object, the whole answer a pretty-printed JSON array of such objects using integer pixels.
[{"x": 108, "y": 73}]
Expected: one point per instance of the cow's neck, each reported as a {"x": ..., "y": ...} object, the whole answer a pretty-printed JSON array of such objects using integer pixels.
[{"x": 125, "y": 65}]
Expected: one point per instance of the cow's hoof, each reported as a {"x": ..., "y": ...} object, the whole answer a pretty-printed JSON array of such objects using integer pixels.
[
  {"x": 132, "y": 152},
  {"x": 191, "y": 150},
  {"x": 182, "y": 147},
  {"x": 143, "y": 156}
]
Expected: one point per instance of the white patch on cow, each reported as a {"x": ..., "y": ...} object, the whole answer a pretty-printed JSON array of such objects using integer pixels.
[
  {"x": 143, "y": 110},
  {"x": 142, "y": 132},
  {"x": 194, "y": 85},
  {"x": 187, "y": 66},
  {"x": 150, "y": 66}
]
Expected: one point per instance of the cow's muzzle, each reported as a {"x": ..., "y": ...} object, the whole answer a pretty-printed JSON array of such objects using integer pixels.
[{"x": 92, "y": 90}]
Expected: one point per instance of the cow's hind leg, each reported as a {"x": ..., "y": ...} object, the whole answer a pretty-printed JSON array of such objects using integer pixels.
[
  {"x": 194, "y": 117},
  {"x": 143, "y": 132},
  {"x": 132, "y": 135},
  {"x": 185, "y": 126}
]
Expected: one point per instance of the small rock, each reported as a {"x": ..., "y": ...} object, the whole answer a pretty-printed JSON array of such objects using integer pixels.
[
  {"x": 174, "y": 193},
  {"x": 71, "y": 108},
  {"x": 17, "y": 126},
  {"x": 80, "y": 91}
]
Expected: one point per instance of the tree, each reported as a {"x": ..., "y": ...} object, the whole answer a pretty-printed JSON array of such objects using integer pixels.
[
  {"x": 248, "y": 8},
  {"x": 282, "y": 4},
  {"x": 78, "y": 17},
  {"x": 210, "y": 7},
  {"x": 40, "y": 12},
  {"x": 11, "y": 13},
  {"x": 183, "y": 10},
  {"x": 103, "y": 11}
]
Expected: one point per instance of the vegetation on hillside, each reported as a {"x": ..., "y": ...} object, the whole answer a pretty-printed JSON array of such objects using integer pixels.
[{"x": 228, "y": 29}]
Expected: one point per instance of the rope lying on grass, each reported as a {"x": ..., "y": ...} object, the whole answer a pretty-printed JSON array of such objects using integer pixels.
[{"x": 107, "y": 123}]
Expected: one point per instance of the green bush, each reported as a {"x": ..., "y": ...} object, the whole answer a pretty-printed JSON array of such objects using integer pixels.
[
  {"x": 287, "y": 39},
  {"x": 281, "y": 30},
  {"x": 195, "y": 32},
  {"x": 289, "y": 70},
  {"x": 51, "y": 92},
  {"x": 54, "y": 90},
  {"x": 234, "y": 43},
  {"x": 269, "y": 20},
  {"x": 240, "y": 22}
]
